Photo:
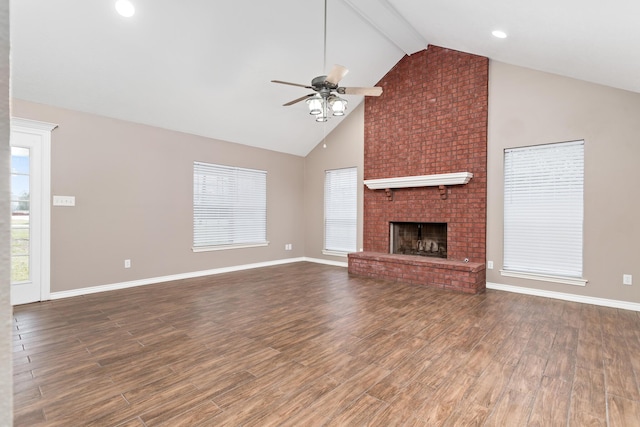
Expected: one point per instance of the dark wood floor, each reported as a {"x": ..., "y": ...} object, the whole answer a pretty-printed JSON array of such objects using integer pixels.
[{"x": 305, "y": 345}]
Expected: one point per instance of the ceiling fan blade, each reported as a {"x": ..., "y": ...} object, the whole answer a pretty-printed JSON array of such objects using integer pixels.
[
  {"x": 366, "y": 91},
  {"x": 336, "y": 74},
  {"x": 295, "y": 101},
  {"x": 291, "y": 84}
]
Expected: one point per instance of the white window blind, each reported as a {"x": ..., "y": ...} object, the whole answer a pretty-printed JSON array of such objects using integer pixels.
[
  {"x": 543, "y": 209},
  {"x": 340, "y": 210},
  {"x": 229, "y": 206}
]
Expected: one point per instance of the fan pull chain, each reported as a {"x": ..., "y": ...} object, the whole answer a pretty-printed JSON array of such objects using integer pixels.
[{"x": 324, "y": 137}]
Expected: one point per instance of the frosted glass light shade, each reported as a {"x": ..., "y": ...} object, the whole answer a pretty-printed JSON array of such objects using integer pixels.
[
  {"x": 338, "y": 106},
  {"x": 315, "y": 105}
]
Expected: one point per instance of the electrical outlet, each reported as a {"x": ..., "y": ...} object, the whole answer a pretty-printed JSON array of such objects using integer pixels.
[
  {"x": 288, "y": 247},
  {"x": 490, "y": 265},
  {"x": 627, "y": 279},
  {"x": 127, "y": 263}
]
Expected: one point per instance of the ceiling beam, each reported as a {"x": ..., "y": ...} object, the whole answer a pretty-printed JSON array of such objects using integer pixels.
[{"x": 390, "y": 23}]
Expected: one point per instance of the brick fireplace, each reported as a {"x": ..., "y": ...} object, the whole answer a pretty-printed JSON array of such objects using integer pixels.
[{"x": 428, "y": 129}]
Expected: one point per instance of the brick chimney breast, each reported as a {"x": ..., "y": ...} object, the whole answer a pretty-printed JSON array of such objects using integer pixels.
[{"x": 431, "y": 119}]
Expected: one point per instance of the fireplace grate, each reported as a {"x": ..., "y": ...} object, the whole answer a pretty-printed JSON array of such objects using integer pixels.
[{"x": 419, "y": 238}]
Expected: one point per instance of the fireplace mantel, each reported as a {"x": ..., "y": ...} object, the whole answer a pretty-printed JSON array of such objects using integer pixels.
[{"x": 437, "y": 180}]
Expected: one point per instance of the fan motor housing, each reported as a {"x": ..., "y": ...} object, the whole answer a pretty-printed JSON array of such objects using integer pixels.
[{"x": 321, "y": 82}]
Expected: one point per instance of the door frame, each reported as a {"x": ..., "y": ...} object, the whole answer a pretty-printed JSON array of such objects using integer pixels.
[{"x": 43, "y": 131}]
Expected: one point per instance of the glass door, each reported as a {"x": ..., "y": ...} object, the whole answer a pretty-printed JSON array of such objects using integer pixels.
[
  {"x": 30, "y": 210},
  {"x": 20, "y": 214}
]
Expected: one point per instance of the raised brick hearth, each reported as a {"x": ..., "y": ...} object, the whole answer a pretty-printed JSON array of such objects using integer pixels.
[
  {"x": 440, "y": 273},
  {"x": 430, "y": 120}
]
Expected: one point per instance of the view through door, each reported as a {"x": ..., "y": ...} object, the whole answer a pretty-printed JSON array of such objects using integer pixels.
[{"x": 30, "y": 212}]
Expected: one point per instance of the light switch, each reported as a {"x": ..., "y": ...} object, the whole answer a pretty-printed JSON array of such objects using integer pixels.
[{"x": 64, "y": 200}]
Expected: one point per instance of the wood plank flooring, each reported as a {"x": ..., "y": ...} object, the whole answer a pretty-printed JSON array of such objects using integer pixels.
[{"x": 307, "y": 345}]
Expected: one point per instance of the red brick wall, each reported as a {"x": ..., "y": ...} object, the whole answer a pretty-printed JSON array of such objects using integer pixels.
[{"x": 431, "y": 119}]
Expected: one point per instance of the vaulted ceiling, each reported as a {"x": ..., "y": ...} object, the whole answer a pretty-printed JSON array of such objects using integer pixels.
[{"x": 204, "y": 67}]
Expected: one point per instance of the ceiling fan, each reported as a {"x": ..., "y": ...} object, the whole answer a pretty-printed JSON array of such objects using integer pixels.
[
  {"x": 326, "y": 85},
  {"x": 326, "y": 99}
]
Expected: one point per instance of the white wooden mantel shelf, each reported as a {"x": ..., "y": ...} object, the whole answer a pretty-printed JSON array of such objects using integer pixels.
[{"x": 437, "y": 180}]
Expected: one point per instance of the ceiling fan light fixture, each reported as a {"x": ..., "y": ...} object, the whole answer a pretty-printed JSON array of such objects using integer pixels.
[
  {"x": 315, "y": 105},
  {"x": 324, "y": 113},
  {"x": 338, "y": 105},
  {"x": 325, "y": 100}
]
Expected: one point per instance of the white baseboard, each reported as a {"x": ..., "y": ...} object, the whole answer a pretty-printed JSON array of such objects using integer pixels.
[
  {"x": 151, "y": 281},
  {"x": 495, "y": 286},
  {"x": 566, "y": 297}
]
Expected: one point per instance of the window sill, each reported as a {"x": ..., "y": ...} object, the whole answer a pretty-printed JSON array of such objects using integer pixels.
[
  {"x": 545, "y": 278},
  {"x": 225, "y": 247},
  {"x": 335, "y": 253}
]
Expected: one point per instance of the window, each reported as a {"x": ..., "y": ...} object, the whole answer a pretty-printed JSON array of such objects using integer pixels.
[
  {"x": 340, "y": 210},
  {"x": 543, "y": 211},
  {"x": 229, "y": 207}
]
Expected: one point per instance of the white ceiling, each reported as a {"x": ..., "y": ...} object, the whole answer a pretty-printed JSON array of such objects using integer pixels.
[{"x": 204, "y": 67}]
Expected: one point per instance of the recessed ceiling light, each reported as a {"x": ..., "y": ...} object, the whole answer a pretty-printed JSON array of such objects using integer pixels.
[
  {"x": 499, "y": 34},
  {"x": 125, "y": 8}
]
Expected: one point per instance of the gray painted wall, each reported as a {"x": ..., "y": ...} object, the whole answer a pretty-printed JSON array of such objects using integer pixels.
[
  {"x": 528, "y": 107},
  {"x": 133, "y": 186},
  {"x": 345, "y": 148}
]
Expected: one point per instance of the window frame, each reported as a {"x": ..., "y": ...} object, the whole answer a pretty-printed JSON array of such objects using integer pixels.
[
  {"x": 243, "y": 192},
  {"x": 556, "y": 172},
  {"x": 331, "y": 245}
]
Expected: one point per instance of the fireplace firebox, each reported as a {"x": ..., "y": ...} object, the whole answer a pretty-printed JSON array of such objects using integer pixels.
[{"x": 419, "y": 238}]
